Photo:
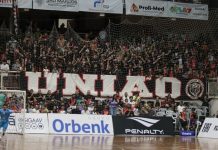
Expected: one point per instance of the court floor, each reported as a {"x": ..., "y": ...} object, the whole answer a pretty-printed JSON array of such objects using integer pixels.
[{"x": 69, "y": 142}]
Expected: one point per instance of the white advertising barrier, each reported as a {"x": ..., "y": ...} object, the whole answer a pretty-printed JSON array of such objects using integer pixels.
[
  {"x": 146, "y": 8},
  {"x": 167, "y": 9},
  {"x": 21, "y": 3},
  {"x": 34, "y": 123},
  {"x": 59, "y": 5},
  {"x": 80, "y": 124},
  {"x": 104, "y": 6},
  {"x": 209, "y": 128},
  {"x": 188, "y": 11}
]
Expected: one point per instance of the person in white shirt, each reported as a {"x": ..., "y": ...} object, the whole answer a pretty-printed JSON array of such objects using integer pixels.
[
  {"x": 125, "y": 98},
  {"x": 4, "y": 68},
  {"x": 180, "y": 107},
  {"x": 85, "y": 111},
  {"x": 46, "y": 70},
  {"x": 62, "y": 110}
]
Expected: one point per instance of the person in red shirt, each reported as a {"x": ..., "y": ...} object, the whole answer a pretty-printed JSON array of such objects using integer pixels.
[
  {"x": 193, "y": 118},
  {"x": 183, "y": 119},
  {"x": 105, "y": 111}
]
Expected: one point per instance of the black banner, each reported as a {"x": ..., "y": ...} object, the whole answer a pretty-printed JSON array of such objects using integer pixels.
[{"x": 143, "y": 125}]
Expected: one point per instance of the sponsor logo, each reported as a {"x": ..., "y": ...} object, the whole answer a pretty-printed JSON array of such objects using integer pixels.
[
  {"x": 206, "y": 127},
  {"x": 147, "y": 123},
  {"x": 62, "y": 3},
  {"x": 194, "y": 88},
  {"x": 30, "y": 123},
  {"x": 154, "y": 8},
  {"x": 59, "y": 126},
  {"x": 134, "y": 8},
  {"x": 180, "y": 10},
  {"x": 144, "y": 121},
  {"x": 187, "y": 133},
  {"x": 143, "y": 131},
  {"x": 100, "y": 4}
]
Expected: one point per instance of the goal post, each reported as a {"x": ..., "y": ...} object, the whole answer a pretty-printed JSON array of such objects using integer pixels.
[{"x": 15, "y": 100}]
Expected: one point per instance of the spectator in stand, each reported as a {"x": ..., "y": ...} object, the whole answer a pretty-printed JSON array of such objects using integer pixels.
[
  {"x": 89, "y": 99},
  {"x": 206, "y": 101},
  {"x": 40, "y": 97},
  {"x": 143, "y": 111},
  {"x": 79, "y": 97},
  {"x": 125, "y": 98},
  {"x": 4, "y": 67},
  {"x": 30, "y": 97},
  {"x": 16, "y": 66},
  {"x": 44, "y": 109},
  {"x": 85, "y": 111},
  {"x": 72, "y": 101},
  {"x": 46, "y": 70},
  {"x": 62, "y": 110},
  {"x": 136, "y": 98},
  {"x": 95, "y": 111},
  {"x": 48, "y": 96},
  {"x": 157, "y": 103},
  {"x": 76, "y": 110},
  {"x": 193, "y": 119},
  {"x": 113, "y": 104},
  {"x": 183, "y": 119},
  {"x": 105, "y": 111},
  {"x": 180, "y": 107}
]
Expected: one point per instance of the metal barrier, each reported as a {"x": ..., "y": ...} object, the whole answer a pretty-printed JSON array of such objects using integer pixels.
[{"x": 10, "y": 80}]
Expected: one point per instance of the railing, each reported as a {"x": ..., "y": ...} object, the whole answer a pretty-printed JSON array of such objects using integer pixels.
[{"x": 10, "y": 80}]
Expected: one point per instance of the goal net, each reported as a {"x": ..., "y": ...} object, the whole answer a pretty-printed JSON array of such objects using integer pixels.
[
  {"x": 15, "y": 100},
  {"x": 137, "y": 29}
]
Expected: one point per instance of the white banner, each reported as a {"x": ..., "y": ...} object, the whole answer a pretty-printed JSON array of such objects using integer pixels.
[
  {"x": 146, "y": 8},
  {"x": 34, "y": 123},
  {"x": 166, "y": 9},
  {"x": 209, "y": 128},
  {"x": 188, "y": 11},
  {"x": 103, "y": 6},
  {"x": 59, "y": 5},
  {"x": 21, "y": 3},
  {"x": 107, "y": 88},
  {"x": 80, "y": 124}
]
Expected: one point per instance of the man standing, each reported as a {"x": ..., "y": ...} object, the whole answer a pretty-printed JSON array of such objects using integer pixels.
[{"x": 4, "y": 121}]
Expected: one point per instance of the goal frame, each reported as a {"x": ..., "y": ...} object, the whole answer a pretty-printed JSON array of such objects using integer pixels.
[{"x": 23, "y": 110}]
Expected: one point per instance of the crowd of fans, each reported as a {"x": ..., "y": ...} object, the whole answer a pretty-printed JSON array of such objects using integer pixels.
[
  {"x": 125, "y": 105},
  {"x": 187, "y": 114},
  {"x": 154, "y": 54}
]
